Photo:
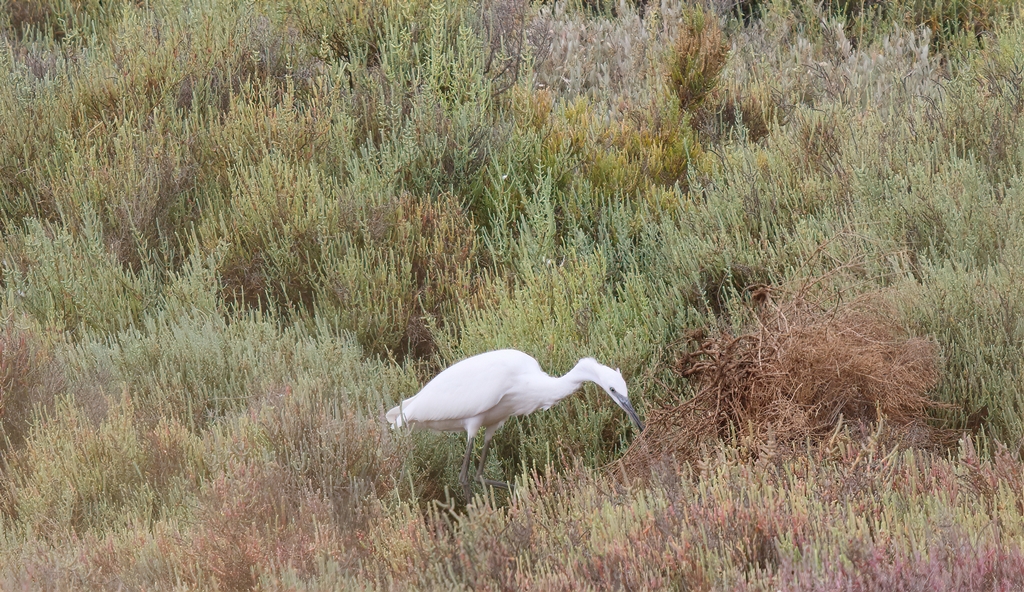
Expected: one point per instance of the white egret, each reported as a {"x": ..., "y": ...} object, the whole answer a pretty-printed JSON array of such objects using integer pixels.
[{"x": 485, "y": 390}]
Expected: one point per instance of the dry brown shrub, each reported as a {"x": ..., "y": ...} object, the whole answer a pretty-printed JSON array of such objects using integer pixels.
[
  {"x": 256, "y": 518},
  {"x": 503, "y": 27},
  {"x": 30, "y": 377},
  {"x": 794, "y": 377}
]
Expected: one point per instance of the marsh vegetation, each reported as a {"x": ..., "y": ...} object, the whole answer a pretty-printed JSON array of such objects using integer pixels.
[{"x": 235, "y": 233}]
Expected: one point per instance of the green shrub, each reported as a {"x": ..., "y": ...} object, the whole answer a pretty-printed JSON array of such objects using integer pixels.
[
  {"x": 140, "y": 184},
  {"x": 954, "y": 21},
  {"x": 75, "y": 477},
  {"x": 71, "y": 283},
  {"x": 350, "y": 30},
  {"x": 278, "y": 221},
  {"x": 60, "y": 20},
  {"x": 696, "y": 59},
  {"x": 975, "y": 315},
  {"x": 408, "y": 270}
]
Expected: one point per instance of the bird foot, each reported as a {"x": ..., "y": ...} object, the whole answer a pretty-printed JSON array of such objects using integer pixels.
[{"x": 467, "y": 488}]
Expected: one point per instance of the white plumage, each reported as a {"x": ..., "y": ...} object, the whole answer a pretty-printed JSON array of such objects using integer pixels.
[{"x": 485, "y": 390}]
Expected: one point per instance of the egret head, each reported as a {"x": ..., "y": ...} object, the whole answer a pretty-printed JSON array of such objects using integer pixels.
[{"x": 613, "y": 384}]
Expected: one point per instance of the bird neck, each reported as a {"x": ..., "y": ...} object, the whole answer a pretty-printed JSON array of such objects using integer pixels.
[{"x": 584, "y": 371}]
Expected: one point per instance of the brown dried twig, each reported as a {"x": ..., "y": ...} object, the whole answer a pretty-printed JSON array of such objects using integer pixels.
[{"x": 796, "y": 374}]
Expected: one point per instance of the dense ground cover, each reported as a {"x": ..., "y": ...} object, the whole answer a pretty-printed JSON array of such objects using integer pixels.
[{"x": 234, "y": 233}]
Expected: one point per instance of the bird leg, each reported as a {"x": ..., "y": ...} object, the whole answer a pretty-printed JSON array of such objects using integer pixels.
[
  {"x": 480, "y": 470},
  {"x": 464, "y": 475}
]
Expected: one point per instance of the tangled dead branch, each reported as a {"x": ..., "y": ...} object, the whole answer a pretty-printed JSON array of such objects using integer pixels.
[{"x": 794, "y": 376}]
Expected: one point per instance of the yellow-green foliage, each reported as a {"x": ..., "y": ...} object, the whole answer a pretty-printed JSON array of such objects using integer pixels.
[
  {"x": 641, "y": 146},
  {"x": 234, "y": 234}
]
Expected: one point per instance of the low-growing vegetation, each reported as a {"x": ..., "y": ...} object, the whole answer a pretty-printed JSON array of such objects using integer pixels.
[{"x": 234, "y": 233}]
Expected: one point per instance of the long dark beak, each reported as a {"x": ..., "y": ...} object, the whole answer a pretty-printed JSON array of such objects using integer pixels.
[{"x": 631, "y": 412}]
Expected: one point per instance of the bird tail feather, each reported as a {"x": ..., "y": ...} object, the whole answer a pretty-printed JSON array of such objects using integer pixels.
[{"x": 395, "y": 417}]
